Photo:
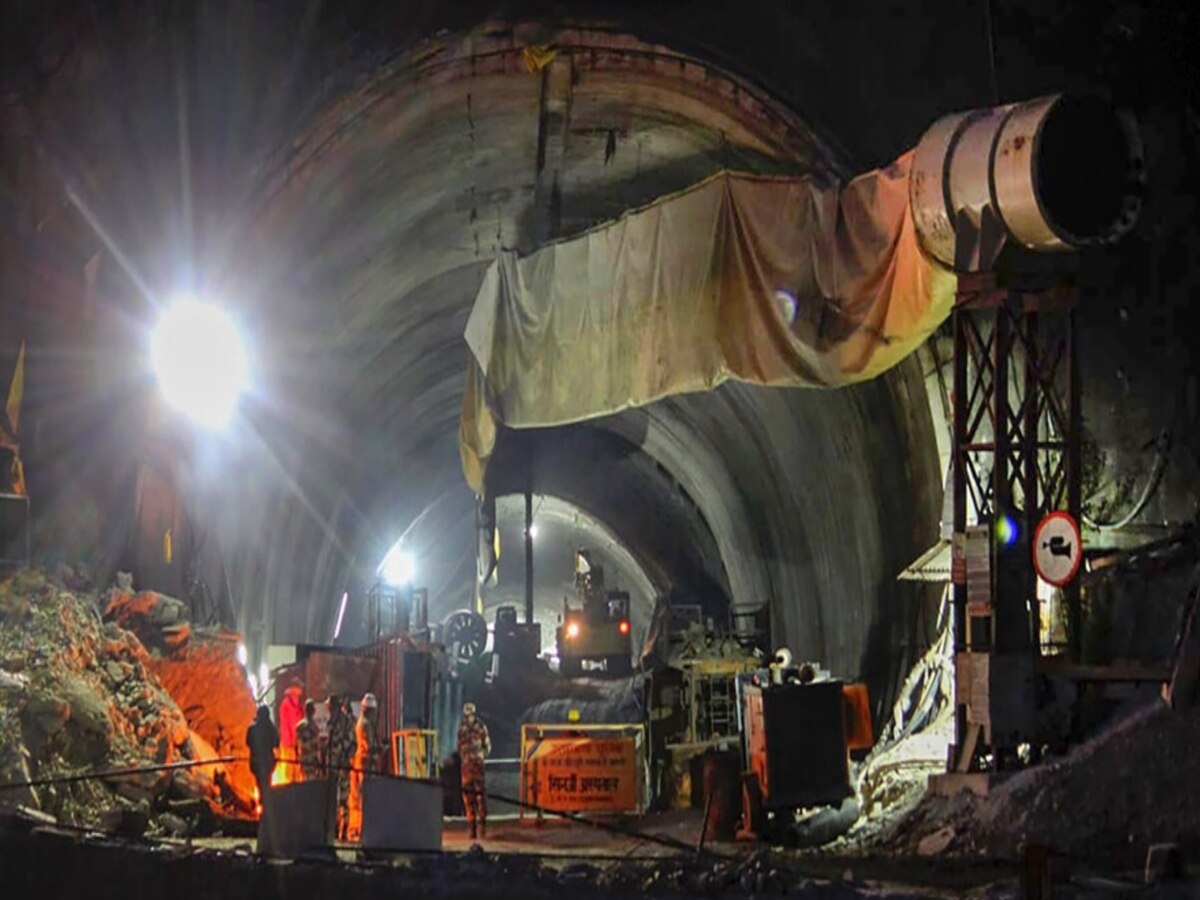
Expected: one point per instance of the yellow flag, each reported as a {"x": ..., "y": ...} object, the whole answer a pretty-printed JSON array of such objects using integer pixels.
[{"x": 15, "y": 391}]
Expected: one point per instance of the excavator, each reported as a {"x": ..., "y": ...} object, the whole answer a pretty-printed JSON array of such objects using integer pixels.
[{"x": 598, "y": 630}]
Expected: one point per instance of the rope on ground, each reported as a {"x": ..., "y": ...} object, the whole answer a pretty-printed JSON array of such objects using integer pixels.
[{"x": 117, "y": 773}]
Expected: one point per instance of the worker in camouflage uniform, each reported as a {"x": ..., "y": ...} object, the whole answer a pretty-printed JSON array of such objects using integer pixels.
[
  {"x": 307, "y": 737},
  {"x": 341, "y": 754},
  {"x": 366, "y": 760},
  {"x": 474, "y": 745}
]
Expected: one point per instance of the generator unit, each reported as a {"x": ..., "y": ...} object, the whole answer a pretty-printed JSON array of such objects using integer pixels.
[{"x": 797, "y": 752}]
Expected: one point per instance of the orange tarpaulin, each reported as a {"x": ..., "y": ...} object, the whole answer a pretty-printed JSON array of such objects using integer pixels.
[{"x": 775, "y": 281}]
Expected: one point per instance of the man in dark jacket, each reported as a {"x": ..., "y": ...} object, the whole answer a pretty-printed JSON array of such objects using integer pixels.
[{"x": 263, "y": 741}]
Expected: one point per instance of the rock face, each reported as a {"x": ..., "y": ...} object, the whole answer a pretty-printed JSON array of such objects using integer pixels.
[
  {"x": 205, "y": 678},
  {"x": 78, "y": 695},
  {"x": 155, "y": 618},
  {"x": 200, "y": 670}
]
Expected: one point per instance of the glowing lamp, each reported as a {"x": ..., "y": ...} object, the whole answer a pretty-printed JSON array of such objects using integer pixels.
[
  {"x": 398, "y": 567},
  {"x": 572, "y": 629},
  {"x": 623, "y": 627},
  {"x": 199, "y": 361}
]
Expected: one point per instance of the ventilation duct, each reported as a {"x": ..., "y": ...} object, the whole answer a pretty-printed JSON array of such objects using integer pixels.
[{"x": 1052, "y": 174}]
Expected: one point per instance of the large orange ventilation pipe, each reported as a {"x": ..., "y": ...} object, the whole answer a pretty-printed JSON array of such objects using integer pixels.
[{"x": 1051, "y": 174}]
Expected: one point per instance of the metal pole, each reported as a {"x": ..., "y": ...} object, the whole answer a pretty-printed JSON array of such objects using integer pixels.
[
  {"x": 1074, "y": 486},
  {"x": 959, "y": 481},
  {"x": 528, "y": 555},
  {"x": 959, "y": 488},
  {"x": 1033, "y": 504}
]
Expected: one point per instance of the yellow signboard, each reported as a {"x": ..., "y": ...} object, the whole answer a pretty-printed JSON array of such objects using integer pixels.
[{"x": 580, "y": 774}]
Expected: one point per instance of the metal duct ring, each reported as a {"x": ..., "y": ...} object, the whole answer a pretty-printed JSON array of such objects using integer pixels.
[{"x": 1057, "y": 172}]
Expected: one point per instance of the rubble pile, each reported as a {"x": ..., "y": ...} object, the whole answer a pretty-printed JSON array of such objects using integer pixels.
[
  {"x": 200, "y": 670},
  {"x": 1107, "y": 800},
  {"x": 79, "y": 695},
  {"x": 893, "y": 781}
]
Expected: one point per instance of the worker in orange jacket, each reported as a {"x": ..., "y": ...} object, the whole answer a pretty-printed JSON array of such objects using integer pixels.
[{"x": 366, "y": 756}]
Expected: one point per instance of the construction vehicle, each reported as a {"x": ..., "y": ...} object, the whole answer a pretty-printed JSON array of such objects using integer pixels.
[{"x": 598, "y": 631}]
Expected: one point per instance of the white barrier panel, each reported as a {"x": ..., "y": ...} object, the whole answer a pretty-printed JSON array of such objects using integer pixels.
[
  {"x": 401, "y": 814},
  {"x": 296, "y": 819}
]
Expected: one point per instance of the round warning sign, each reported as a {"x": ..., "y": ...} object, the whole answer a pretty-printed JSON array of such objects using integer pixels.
[{"x": 1057, "y": 549}]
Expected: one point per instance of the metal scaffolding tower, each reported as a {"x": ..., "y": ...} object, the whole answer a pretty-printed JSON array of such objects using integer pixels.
[{"x": 1016, "y": 458}]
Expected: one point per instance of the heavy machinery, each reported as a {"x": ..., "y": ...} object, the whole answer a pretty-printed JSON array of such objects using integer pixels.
[{"x": 598, "y": 631}]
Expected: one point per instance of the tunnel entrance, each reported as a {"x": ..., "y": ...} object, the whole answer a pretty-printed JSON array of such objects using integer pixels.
[{"x": 560, "y": 528}]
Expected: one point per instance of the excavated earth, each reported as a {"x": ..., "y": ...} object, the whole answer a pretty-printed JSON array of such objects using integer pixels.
[
  {"x": 1102, "y": 804},
  {"x": 80, "y": 695},
  {"x": 84, "y": 689}
]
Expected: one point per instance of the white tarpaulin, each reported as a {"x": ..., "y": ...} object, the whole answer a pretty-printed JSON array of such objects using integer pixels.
[{"x": 775, "y": 281}]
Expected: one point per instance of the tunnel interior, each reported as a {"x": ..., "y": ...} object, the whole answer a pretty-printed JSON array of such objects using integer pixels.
[
  {"x": 344, "y": 199},
  {"x": 560, "y": 529},
  {"x": 361, "y": 252},
  {"x": 351, "y": 254}
]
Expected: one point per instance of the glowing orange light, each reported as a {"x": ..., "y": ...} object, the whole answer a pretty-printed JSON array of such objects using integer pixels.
[
  {"x": 285, "y": 767},
  {"x": 572, "y": 629},
  {"x": 623, "y": 627}
]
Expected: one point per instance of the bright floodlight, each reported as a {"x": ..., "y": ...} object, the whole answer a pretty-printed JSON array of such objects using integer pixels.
[
  {"x": 200, "y": 361},
  {"x": 398, "y": 567},
  {"x": 533, "y": 531}
]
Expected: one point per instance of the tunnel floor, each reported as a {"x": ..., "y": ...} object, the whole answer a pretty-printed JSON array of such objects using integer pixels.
[{"x": 519, "y": 860}]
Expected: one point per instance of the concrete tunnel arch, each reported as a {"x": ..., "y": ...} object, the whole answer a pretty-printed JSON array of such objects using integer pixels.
[
  {"x": 370, "y": 240},
  {"x": 354, "y": 256}
]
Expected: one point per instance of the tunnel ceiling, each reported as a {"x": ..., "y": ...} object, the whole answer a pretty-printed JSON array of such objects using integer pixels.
[{"x": 343, "y": 179}]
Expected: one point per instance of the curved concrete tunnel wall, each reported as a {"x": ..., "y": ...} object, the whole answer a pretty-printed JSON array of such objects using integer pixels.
[
  {"x": 375, "y": 239},
  {"x": 369, "y": 244},
  {"x": 365, "y": 245}
]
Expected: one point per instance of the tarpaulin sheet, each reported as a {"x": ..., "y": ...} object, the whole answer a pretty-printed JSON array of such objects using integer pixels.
[{"x": 691, "y": 291}]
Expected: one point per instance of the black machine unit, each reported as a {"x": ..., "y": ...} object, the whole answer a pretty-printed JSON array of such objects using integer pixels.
[
  {"x": 796, "y": 744},
  {"x": 515, "y": 643}
]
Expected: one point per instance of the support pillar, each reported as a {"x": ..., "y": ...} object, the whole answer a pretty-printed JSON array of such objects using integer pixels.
[{"x": 1016, "y": 458}]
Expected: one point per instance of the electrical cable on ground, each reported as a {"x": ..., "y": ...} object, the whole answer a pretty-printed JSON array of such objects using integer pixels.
[{"x": 661, "y": 840}]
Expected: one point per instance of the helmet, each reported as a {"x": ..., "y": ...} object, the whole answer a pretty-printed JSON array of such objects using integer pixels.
[
  {"x": 468, "y": 709},
  {"x": 369, "y": 701}
]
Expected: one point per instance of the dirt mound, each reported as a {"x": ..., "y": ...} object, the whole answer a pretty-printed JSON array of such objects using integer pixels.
[
  {"x": 1107, "y": 800},
  {"x": 79, "y": 695},
  {"x": 203, "y": 675}
]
